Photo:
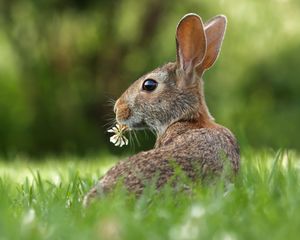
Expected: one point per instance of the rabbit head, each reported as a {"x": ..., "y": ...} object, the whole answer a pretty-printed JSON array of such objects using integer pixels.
[{"x": 174, "y": 92}]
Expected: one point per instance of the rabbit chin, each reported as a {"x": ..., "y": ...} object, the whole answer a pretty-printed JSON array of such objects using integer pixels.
[{"x": 135, "y": 124}]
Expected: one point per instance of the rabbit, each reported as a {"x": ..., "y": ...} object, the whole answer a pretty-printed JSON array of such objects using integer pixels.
[{"x": 170, "y": 100}]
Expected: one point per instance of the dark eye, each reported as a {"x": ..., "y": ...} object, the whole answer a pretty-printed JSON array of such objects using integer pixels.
[{"x": 149, "y": 85}]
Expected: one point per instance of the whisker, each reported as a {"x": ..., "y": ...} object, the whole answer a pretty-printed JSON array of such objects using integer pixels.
[
  {"x": 111, "y": 118},
  {"x": 110, "y": 101},
  {"x": 145, "y": 134},
  {"x": 132, "y": 142},
  {"x": 111, "y": 122},
  {"x": 152, "y": 131},
  {"x": 137, "y": 140}
]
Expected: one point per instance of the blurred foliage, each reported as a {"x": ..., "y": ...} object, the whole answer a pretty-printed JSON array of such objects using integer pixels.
[{"x": 61, "y": 62}]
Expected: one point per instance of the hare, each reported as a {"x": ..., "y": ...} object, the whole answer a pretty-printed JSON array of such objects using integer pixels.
[{"x": 170, "y": 101}]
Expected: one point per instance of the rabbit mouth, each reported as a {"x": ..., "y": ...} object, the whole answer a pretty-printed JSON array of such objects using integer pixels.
[
  {"x": 139, "y": 125},
  {"x": 136, "y": 125}
]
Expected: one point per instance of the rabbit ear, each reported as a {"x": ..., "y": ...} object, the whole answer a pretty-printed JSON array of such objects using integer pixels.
[
  {"x": 190, "y": 43},
  {"x": 214, "y": 31}
]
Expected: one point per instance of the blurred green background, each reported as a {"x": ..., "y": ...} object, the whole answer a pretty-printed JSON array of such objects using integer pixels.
[{"x": 61, "y": 62}]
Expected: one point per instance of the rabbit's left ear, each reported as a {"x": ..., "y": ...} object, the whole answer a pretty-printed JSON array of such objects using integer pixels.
[
  {"x": 190, "y": 43},
  {"x": 214, "y": 31}
]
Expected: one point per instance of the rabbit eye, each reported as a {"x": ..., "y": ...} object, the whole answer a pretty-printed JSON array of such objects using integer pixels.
[{"x": 149, "y": 85}]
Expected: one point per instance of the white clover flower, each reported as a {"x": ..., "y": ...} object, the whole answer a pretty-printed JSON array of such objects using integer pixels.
[{"x": 118, "y": 138}]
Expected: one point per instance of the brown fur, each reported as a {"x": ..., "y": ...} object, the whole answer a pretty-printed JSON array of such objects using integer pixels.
[
  {"x": 176, "y": 110},
  {"x": 122, "y": 109}
]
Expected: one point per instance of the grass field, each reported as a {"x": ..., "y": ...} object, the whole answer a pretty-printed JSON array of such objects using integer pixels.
[{"x": 42, "y": 200}]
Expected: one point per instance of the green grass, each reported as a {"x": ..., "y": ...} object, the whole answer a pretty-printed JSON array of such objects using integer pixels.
[{"x": 42, "y": 200}]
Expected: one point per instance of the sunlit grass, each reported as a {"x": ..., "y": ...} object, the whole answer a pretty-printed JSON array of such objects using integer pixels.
[{"x": 42, "y": 200}]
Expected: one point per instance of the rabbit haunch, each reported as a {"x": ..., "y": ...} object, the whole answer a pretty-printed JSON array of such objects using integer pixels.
[{"x": 186, "y": 132}]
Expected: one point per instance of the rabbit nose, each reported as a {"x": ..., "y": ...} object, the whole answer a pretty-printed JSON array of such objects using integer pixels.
[{"x": 122, "y": 110}]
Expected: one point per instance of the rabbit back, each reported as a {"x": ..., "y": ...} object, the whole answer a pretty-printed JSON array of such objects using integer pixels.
[{"x": 199, "y": 153}]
